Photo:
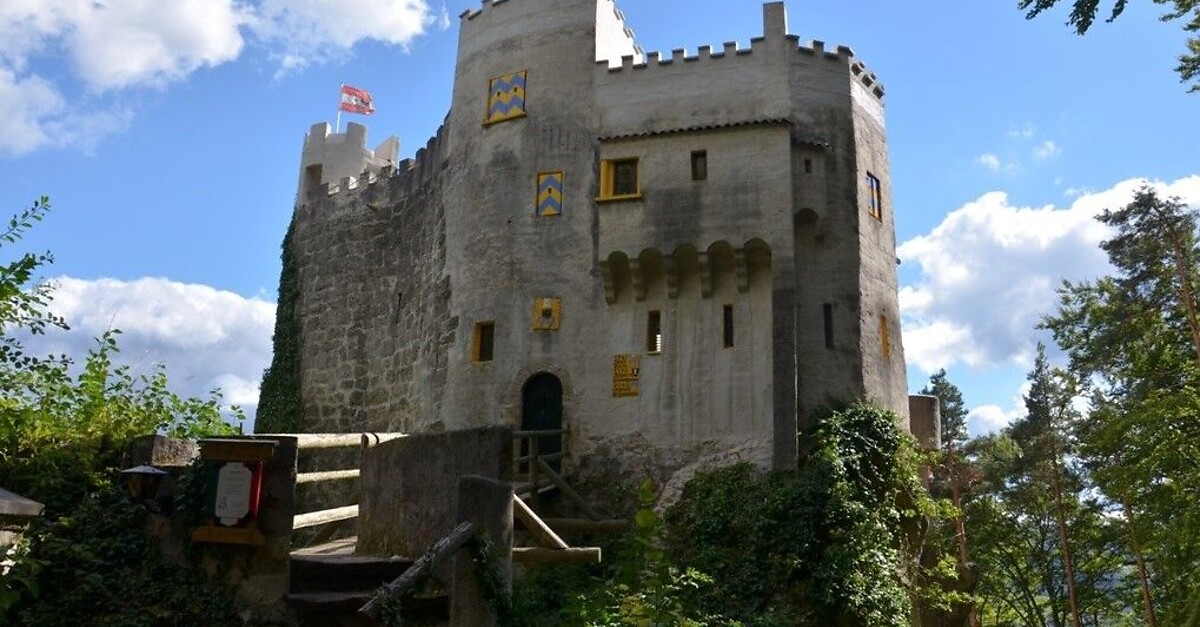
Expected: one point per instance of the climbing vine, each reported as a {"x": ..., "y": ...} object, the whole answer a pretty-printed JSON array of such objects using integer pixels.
[
  {"x": 279, "y": 409},
  {"x": 836, "y": 543}
]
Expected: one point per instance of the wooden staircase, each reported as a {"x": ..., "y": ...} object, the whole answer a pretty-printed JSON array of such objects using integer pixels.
[{"x": 329, "y": 584}]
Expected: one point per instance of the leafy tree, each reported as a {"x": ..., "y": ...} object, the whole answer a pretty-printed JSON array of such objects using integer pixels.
[
  {"x": 953, "y": 411},
  {"x": 63, "y": 427},
  {"x": 1130, "y": 337},
  {"x": 1084, "y": 12}
]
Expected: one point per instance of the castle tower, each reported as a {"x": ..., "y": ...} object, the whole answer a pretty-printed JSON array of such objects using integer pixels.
[{"x": 675, "y": 257}]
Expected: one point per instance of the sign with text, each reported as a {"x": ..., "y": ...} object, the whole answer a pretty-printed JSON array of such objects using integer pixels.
[{"x": 626, "y": 369}]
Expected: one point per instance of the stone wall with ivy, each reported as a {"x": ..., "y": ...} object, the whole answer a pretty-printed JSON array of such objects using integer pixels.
[{"x": 363, "y": 326}]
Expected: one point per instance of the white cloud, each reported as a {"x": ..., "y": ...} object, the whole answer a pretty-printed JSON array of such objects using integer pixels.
[
  {"x": 37, "y": 115},
  {"x": 207, "y": 338},
  {"x": 989, "y": 272},
  {"x": 115, "y": 45},
  {"x": 149, "y": 42},
  {"x": 989, "y": 161},
  {"x": 301, "y": 32},
  {"x": 987, "y": 419},
  {"x": 121, "y": 43},
  {"x": 1046, "y": 150}
]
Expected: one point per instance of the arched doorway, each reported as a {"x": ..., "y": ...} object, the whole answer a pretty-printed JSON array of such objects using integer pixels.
[{"x": 542, "y": 410}]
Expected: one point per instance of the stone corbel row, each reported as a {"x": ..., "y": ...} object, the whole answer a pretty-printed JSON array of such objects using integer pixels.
[{"x": 619, "y": 271}]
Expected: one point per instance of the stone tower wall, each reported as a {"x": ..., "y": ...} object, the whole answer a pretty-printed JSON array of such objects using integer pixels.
[{"x": 373, "y": 304}]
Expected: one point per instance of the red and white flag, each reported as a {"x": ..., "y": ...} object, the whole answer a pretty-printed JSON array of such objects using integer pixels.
[{"x": 356, "y": 100}]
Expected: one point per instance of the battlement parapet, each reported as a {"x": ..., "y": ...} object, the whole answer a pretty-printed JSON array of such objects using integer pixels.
[
  {"x": 471, "y": 14},
  {"x": 395, "y": 175},
  {"x": 815, "y": 49}
]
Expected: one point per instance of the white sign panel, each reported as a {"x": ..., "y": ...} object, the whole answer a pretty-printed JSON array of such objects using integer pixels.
[{"x": 233, "y": 493}]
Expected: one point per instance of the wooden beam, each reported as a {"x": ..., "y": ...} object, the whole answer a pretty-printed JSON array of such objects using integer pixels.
[
  {"x": 567, "y": 490},
  {"x": 312, "y": 519},
  {"x": 329, "y": 475},
  {"x": 538, "y": 434},
  {"x": 544, "y": 534},
  {"x": 525, "y": 488},
  {"x": 536, "y": 555},
  {"x": 583, "y": 525},
  {"x": 550, "y": 458},
  {"x": 441, "y": 551},
  {"x": 307, "y": 441}
]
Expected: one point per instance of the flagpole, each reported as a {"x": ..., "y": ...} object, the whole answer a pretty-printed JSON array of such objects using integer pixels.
[{"x": 338, "y": 124}]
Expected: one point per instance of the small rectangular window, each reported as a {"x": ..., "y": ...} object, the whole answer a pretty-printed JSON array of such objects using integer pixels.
[
  {"x": 875, "y": 199},
  {"x": 808, "y": 166},
  {"x": 727, "y": 325},
  {"x": 699, "y": 165},
  {"x": 619, "y": 179},
  {"x": 654, "y": 336},
  {"x": 827, "y": 310},
  {"x": 885, "y": 337},
  {"x": 484, "y": 340}
]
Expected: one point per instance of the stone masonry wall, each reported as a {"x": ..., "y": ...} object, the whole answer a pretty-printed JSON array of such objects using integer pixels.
[{"x": 373, "y": 301}]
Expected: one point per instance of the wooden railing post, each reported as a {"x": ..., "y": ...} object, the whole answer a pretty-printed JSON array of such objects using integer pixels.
[{"x": 533, "y": 468}]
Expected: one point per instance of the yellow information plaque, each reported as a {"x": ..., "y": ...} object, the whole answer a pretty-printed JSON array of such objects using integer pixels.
[{"x": 625, "y": 375}]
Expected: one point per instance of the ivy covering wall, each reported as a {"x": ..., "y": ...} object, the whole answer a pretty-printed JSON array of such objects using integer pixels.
[{"x": 279, "y": 407}]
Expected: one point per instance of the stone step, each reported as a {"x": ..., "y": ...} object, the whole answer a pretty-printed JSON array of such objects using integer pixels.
[
  {"x": 340, "y": 609},
  {"x": 344, "y": 573}
]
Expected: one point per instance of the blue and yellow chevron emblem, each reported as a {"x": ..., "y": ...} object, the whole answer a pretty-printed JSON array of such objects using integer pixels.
[
  {"x": 506, "y": 97},
  {"x": 549, "y": 194}
]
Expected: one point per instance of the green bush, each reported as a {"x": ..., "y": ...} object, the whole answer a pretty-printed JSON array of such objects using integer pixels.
[
  {"x": 99, "y": 563},
  {"x": 823, "y": 546}
]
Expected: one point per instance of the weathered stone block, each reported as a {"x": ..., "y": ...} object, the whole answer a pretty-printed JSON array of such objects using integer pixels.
[{"x": 409, "y": 486}]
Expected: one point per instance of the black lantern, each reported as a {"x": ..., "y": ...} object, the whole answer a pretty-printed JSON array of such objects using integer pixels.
[{"x": 141, "y": 483}]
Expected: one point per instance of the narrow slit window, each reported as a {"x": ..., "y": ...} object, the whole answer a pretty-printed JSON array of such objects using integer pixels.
[
  {"x": 827, "y": 310},
  {"x": 484, "y": 341},
  {"x": 654, "y": 337},
  {"x": 885, "y": 337},
  {"x": 699, "y": 165},
  {"x": 808, "y": 166},
  {"x": 727, "y": 325},
  {"x": 875, "y": 199}
]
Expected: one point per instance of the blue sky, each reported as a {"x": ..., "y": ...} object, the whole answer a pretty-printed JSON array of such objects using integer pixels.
[{"x": 168, "y": 137}]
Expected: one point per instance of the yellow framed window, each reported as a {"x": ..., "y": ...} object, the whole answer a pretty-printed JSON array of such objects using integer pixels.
[
  {"x": 483, "y": 341},
  {"x": 874, "y": 197},
  {"x": 885, "y": 337},
  {"x": 619, "y": 179}
]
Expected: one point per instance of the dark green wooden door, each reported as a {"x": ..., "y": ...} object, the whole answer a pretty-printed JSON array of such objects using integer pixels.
[{"x": 541, "y": 409}]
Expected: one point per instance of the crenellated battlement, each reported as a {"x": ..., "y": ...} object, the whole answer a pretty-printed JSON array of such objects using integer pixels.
[
  {"x": 401, "y": 174},
  {"x": 759, "y": 49}
]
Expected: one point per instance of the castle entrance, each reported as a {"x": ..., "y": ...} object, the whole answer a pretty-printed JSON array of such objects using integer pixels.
[{"x": 542, "y": 411}]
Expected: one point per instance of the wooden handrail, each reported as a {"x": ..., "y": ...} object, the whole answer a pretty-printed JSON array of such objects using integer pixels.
[
  {"x": 307, "y": 441},
  {"x": 535, "y": 525},
  {"x": 321, "y": 517},
  {"x": 327, "y": 475},
  {"x": 543, "y": 433},
  {"x": 437, "y": 554},
  {"x": 548, "y": 457}
]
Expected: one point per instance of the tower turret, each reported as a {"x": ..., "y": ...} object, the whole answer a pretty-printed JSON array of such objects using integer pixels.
[{"x": 329, "y": 157}]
